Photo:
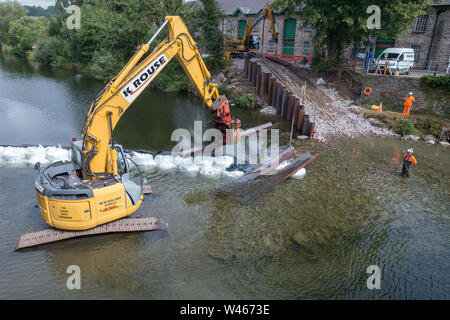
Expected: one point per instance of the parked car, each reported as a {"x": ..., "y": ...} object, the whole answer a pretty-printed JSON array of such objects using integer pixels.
[{"x": 398, "y": 59}]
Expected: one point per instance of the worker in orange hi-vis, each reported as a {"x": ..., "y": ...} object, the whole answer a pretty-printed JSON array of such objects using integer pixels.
[
  {"x": 408, "y": 104},
  {"x": 408, "y": 161}
]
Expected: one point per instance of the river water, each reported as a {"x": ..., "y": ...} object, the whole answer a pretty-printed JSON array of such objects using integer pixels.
[{"x": 351, "y": 211}]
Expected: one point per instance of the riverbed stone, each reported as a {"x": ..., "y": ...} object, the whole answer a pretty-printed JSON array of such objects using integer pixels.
[
  {"x": 302, "y": 137},
  {"x": 430, "y": 141},
  {"x": 269, "y": 110},
  {"x": 300, "y": 239},
  {"x": 428, "y": 137},
  {"x": 411, "y": 137},
  {"x": 444, "y": 143}
]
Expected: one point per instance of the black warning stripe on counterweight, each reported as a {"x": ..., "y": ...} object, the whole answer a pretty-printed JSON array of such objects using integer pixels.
[{"x": 123, "y": 225}]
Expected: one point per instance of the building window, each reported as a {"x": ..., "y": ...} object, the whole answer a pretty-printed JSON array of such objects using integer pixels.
[
  {"x": 229, "y": 27},
  {"x": 272, "y": 45},
  {"x": 421, "y": 24},
  {"x": 416, "y": 48},
  {"x": 306, "y": 47}
]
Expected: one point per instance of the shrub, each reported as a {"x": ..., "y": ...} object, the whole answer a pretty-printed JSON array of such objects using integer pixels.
[
  {"x": 224, "y": 90},
  {"x": 104, "y": 65},
  {"x": 247, "y": 101},
  {"x": 404, "y": 127},
  {"x": 47, "y": 50},
  {"x": 437, "y": 81},
  {"x": 321, "y": 66}
]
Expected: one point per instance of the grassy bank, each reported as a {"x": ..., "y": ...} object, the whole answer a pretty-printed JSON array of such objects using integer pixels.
[{"x": 418, "y": 124}]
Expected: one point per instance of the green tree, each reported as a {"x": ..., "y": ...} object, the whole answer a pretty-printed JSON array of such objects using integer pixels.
[
  {"x": 47, "y": 50},
  {"x": 38, "y": 11},
  {"x": 24, "y": 33},
  {"x": 212, "y": 40},
  {"x": 338, "y": 23},
  {"x": 9, "y": 11}
]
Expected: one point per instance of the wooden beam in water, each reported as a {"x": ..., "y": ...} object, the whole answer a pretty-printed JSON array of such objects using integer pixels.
[{"x": 122, "y": 225}]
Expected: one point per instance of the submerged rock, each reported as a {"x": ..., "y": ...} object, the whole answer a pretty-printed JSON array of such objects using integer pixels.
[
  {"x": 411, "y": 137},
  {"x": 428, "y": 137},
  {"x": 269, "y": 110},
  {"x": 300, "y": 239}
]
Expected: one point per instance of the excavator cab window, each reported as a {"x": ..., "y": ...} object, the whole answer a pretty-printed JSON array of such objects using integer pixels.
[
  {"x": 253, "y": 42},
  {"x": 121, "y": 162}
]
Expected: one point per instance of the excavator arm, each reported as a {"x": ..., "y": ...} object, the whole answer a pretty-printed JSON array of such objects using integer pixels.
[
  {"x": 262, "y": 14},
  {"x": 243, "y": 44},
  {"x": 99, "y": 157}
]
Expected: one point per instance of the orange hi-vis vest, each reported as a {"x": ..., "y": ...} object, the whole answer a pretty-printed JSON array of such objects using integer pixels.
[
  {"x": 409, "y": 158},
  {"x": 409, "y": 100}
]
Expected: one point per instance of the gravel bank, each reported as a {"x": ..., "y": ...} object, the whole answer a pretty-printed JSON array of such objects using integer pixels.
[{"x": 332, "y": 114}]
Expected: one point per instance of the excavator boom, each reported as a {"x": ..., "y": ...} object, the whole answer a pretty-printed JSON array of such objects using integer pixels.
[{"x": 120, "y": 93}]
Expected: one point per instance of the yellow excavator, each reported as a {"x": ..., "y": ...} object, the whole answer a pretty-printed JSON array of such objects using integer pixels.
[
  {"x": 247, "y": 43},
  {"x": 95, "y": 186}
]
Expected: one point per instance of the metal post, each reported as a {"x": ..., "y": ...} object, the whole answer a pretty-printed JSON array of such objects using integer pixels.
[{"x": 157, "y": 32}]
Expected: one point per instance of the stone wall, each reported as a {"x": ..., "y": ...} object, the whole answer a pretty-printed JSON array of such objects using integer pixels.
[{"x": 393, "y": 90}]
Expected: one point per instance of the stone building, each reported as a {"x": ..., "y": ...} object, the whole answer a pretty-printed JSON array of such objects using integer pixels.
[
  {"x": 294, "y": 42},
  {"x": 429, "y": 35}
]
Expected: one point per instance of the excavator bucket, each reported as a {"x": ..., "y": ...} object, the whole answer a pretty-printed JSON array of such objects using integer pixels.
[{"x": 224, "y": 122}]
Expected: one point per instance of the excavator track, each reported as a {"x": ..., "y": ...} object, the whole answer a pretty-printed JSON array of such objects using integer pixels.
[{"x": 122, "y": 225}]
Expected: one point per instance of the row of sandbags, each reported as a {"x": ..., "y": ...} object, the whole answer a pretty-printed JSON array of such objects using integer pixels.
[{"x": 33, "y": 154}]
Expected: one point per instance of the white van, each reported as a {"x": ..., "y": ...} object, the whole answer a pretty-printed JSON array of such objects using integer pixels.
[{"x": 398, "y": 59}]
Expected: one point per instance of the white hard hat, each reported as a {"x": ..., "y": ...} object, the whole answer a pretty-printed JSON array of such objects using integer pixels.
[
  {"x": 410, "y": 93},
  {"x": 410, "y": 150}
]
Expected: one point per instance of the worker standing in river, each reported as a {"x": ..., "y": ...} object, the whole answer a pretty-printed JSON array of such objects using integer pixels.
[
  {"x": 408, "y": 161},
  {"x": 408, "y": 104}
]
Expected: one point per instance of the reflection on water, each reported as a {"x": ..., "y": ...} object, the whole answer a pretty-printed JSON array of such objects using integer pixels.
[{"x": 310, "y": 238}]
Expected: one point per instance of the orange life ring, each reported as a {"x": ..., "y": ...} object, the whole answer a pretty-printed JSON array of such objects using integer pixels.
[{"x": 368, "y": 91}]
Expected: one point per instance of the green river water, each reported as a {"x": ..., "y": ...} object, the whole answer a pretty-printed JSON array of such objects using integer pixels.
[{"x": 352, "y": 210}]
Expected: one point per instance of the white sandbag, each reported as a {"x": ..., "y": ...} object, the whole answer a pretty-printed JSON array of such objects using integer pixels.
[
  {"x": 177, "y": 160},
  {"x": 33, "y": 152},
  {"x": 165, "y": 162},
  {"x": 41, "y": 158},
  {"x": 57, "y": 154},
  {"x": 211, "y": 172},
  {"x": 223, "y": 162},
  {"x": 204, "y": 161},
  {"x": 189, "y": 169},
  {"x": 141, "y": 159},
  {"x": 145, "y": 161},
  {"x": 232, "y": 174},
  {"x": 299, "y": 174},
  {"x": 14, "y": 155},
  {"x": 283, "y": 165}
]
